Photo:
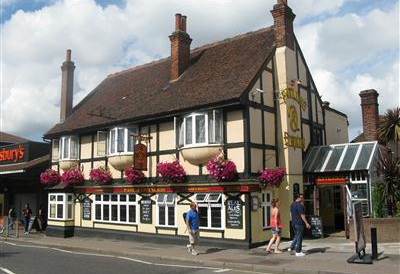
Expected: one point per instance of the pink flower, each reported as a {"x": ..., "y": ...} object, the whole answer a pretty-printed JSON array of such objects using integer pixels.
[
  {"x": 100, "y": 175},
  {"x": 272, "y": 177},
  {"x": 49, "y": 177},
  {"x": 171, "y": 172},
  {"x": 134, "y": 176},
  {"x": 72, "y": 177},
  {"x": 221, "y": 169}
]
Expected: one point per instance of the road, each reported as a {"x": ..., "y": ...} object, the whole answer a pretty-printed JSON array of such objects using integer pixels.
[{"x": 28, "y": 259}]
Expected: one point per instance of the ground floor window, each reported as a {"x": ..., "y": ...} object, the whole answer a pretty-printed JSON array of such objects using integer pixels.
[
  {"x": 266, "y": 208},
  {"x": 115, "y": 208},
  {"x": 166, "y": 209},
  {"x": 60, "y": 206},
  {"x": 210, "y": 210}
]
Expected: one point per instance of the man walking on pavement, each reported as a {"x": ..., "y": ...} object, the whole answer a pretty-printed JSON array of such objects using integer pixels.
[
  {"x": 192, "y": 224},
  {"x": 298, "y": 221}
]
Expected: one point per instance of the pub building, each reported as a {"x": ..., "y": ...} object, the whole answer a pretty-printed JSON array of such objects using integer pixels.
[
  {"x": 21, "y": 162},
  {"x": 251, "y": 98}
]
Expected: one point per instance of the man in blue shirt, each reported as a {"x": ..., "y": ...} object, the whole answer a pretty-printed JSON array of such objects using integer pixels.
[
  {"x": 192, "y": 224},
  {"x": 298, "y": 220}
]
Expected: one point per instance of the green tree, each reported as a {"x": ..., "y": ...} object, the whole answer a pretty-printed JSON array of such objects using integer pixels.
[
  {"x": 389, "y": 168},
  {"x": 389, "y": 130}
]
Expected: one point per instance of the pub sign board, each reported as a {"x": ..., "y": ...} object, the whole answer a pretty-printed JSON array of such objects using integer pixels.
[
  {"x": 234, "y": 213},
  {"x": 140, "y": 157},
  {"x": 146, "y": 211}
]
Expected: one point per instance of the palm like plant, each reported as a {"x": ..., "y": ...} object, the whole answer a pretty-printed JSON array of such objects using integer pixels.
[{"x": 389, "y": 131}]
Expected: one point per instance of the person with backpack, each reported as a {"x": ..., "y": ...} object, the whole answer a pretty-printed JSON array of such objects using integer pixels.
[{"x": 192, "y": 225}]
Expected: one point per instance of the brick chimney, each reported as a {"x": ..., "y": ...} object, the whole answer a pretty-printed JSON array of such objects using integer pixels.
[
  {"x": 180, "y": 47},
  {"x": 283, "y": 23},
  {"x": 370, "y": 114},
  {"x": 67, "y": 83}
]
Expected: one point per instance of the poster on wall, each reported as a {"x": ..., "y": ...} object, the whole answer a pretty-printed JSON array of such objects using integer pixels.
[
  {"x": 146, "y": 211},
  {"x": 234, "y": 213},
  {"x": 87, "y": 209}
]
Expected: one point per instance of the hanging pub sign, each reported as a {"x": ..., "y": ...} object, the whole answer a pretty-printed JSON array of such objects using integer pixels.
[{"x": 140, "y": 157}]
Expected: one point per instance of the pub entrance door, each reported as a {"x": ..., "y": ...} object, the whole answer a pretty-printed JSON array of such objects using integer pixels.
[{"x": 331, "y": 208}]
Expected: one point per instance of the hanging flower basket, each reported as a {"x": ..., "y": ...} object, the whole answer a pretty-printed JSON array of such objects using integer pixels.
[
  {"x": 49, "y": 177},
  {"x": 134, "y": 176},
  {"x": 100, "y": 175},
  {"x": 221, "y": 169},
  {"x": 171, "y": 172},
  {"x": 72, "y": 177},
  {"x": 272, "y": 177}
]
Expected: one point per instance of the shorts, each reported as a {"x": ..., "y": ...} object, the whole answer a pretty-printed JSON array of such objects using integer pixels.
[
  {"x": 194, "y": 237},
  {"x": 276, "y": 231}
]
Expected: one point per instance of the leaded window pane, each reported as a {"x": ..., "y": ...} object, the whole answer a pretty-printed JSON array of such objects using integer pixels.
[
  {"x": 200, "y": 129},
  {"x": 188, "y": 133}
]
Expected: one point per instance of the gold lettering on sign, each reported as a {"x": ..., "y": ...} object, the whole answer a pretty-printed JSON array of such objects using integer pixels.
[
  {"x": 290, "y": 93},
  {"x": 293, "y": 141},
  {"x": 293, "y": 118}
]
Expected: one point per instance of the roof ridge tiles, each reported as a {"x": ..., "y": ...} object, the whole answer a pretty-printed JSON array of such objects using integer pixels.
[{"x": 195, "y": 50}]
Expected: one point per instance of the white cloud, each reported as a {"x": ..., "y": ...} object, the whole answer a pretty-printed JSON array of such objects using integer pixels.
[{"x": 105, "y": 40}]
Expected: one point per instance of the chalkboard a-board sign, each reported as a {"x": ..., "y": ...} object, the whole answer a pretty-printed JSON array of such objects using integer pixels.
[
  {"x": 317, "y": 230},
  {"x": 87, "y": 209},
  {"x": 146, "y": 211},
  {"x": 234, "y": 213}
]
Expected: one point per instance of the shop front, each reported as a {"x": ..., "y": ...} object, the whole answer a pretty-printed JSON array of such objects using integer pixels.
[{"x": 20, "y": 167}]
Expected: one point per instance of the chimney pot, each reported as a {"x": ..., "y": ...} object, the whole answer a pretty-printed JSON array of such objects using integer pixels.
[
  {"x": 183, "y": 27},
  {"x": 283, "y": 24},
  {"x": 178, "y": 17},
  {"x": 68, "y": 55},
  {"x": 370, "y": 114},
  {"x": 284, "y": 2}
]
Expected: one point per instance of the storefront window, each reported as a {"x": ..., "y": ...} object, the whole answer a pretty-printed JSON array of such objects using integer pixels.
[
  {"x": 166, "y": 209},
  {"x": 359, "y": 191},
  {"x": 266, "y": 208},
  {"x": 200, "y": 129},
  {"x": 115, "y": 208},
  {"x": 210, "y": 210},
  {"x": 60, "y": 206},
  {"x": 69, "y": 148},
  {"x": 121, "y": 140}
]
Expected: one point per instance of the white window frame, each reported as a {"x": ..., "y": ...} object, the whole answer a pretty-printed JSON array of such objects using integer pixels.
[
  {"x": 127, "y": 131},
  {"x": 207, "y": 140},
  {"x": 265, "y": 204},
  {"x": 167, "y": 205},
  {"x": 55, "y": 150},
  {"x": 66, "y": 140},
  {"x": 207, "y": 202},
  {"x": 65, "y": 206},
  {"x": 126, "y": 203}
]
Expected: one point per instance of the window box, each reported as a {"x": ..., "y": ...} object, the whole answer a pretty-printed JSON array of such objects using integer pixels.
[
  {"x": 120, "y": 147},
  {"x": 68, "y": 152},
  {"x": 199, "y": 135},
  {"x": 60, "y": 207}
]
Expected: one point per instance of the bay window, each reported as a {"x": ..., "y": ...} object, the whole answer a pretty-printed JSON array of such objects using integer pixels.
[
  {"x": 115, "y": 208},
  {"x": 60, "y": 206},
  {"x": 210, "y": 209},
  {"x": 69, "y": 148},
  {"x": 200, "y": 128},
  {"x": 266, "y": 208},
  {"x": 166, "y": 210},
  {"x": 121, "y": 140}
]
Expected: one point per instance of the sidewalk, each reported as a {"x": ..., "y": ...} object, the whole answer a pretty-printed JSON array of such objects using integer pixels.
[{"x": 327, "y": 255}]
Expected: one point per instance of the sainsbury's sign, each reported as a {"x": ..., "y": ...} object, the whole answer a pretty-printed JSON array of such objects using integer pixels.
[{"x": 13, "y": 154}]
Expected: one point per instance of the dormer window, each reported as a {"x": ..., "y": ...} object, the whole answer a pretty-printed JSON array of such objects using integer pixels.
[
  {"x": 69, "y": 148},
  {"x": 201, "y": 128},
  {"x": 121, "y": 140}
]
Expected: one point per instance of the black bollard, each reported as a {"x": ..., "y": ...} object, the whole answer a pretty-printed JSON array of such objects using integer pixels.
[{"x": 374, "y": 243}]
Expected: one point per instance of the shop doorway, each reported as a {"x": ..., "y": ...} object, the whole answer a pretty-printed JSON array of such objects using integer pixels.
[{"x": 331, "y": 209}]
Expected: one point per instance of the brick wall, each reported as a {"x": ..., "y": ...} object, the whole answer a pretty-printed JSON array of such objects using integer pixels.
[
  {"x": 283, "y": 23},
  {"x": 370, "y": 114}
]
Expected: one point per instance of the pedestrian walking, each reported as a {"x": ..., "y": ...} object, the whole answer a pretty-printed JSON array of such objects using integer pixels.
[
  {"x": 276, "y": 227},
  {"x": 11, "y": 217},
  {"x": 26, "y": 217},
  {"x": 298, "y": 220},
  {"x": 192, "y": 225}
]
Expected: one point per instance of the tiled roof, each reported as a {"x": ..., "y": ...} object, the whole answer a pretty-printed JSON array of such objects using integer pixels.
[
  {"x": 9, "y": 138},
  {"x": 219, "y": 72}
]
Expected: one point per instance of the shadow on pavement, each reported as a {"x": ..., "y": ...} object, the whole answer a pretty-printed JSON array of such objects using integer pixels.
[
  {"x": 317, "y": 250},
  {"x": 213, "y": 250}
]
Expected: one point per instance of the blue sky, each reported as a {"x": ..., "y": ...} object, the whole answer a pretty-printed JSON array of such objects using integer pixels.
[{"x": 349, "y": 45}]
